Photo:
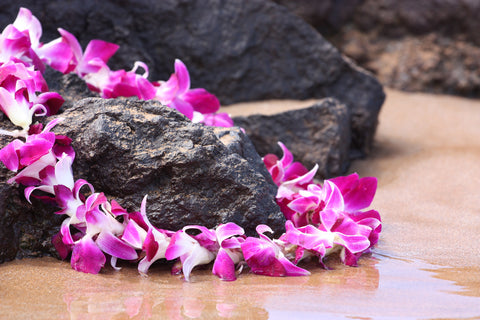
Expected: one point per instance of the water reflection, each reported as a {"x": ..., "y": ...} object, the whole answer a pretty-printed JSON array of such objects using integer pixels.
[
  {"x": 381, "y": 287},
  {"x": 126, "y": 295}
]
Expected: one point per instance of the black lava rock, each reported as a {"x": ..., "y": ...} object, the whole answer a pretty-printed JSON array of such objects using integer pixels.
[{"x": 319, "y": 134}]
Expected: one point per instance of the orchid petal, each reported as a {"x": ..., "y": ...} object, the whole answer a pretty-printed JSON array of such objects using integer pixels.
[
  {"x": 183, "y": 107},
  {"x": 198, "y": 256},
  {"x": 287, "y": 157},
  {"x": 9, "y": 156},
  {"x": 52, "y": 101},
  {"x": 224, "y": 267},
  {"x": 74, "y": 45},
  {"x": 333, "y": 197},
  {"x": 87, "y": 257},
  {"x": 292, "y": 270},
  {"x": 62, "y": 249},
  {"x": 201, "y": 100},
  {"x": 180, "y": 244},
  {"x": 134, "y": 234},
  {"x": 358, "y": 193},
  {"x": 25, "y": 21},
  {"x": 99, "y": 49},
  {"x": 228, "y": 230},
  {"x": 115, "y": 247},
  {"x": 222, "y": 119},
  {"x": 182, "y": 75}
]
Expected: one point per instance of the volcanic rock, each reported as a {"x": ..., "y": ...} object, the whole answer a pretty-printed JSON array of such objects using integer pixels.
[
  {"x": 319, "y": 134},
  {"x": 412, "y": 45},
  {"x": 25, "y": 229},
  {"x": 192, "y": 174}
]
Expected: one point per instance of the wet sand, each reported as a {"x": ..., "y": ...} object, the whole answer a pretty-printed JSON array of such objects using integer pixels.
[{"x": 426, "y": 265}]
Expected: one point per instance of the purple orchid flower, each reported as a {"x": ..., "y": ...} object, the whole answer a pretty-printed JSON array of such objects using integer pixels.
[
  {"x": 18, "y": 98},
  {"x": 141, "y": 234},
  {"x": 123, "y": 83},
  {"x": 21, "y": 40},
  {"x": 358, "y": 193},
  {"x": 264, "y": 257},
  {"x": 96, "y": 55},
  {"x": 284, "y": 169},
  {"x": 34, "y": 155},
  {"x": 354, "y": 233},
  {"x": 96, "y": 222},
  {"x": 176, "y": 93},
  {"x": 192, "y": 250},
  {"x": 229, "y": 238}
]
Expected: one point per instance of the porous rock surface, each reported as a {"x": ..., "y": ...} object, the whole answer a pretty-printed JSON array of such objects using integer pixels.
[
  {"x": 431, "y": 46},
  {"x": 25, "y": 229},
  {"x": 319, "y": 134},
  {"x": 239, "y": 50},
  {"x": 192, "y": 174}
]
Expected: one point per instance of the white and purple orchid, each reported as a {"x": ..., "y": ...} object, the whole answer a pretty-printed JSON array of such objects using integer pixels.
[{"x": 265, "y": 257}]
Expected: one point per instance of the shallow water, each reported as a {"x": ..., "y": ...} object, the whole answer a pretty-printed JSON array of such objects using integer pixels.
[
  {"x": 426, "y": 265},
  {"x": 381, "y": 287}
]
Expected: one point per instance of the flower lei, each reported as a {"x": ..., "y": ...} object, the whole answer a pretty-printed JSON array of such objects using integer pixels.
[{"x": 321, "y": 220}]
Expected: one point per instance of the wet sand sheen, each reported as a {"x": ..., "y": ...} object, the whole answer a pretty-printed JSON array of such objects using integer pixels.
[{"x": 426, "y": 264}]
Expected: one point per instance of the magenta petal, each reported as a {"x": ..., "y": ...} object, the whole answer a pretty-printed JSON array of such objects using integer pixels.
[
  {"x": 201, "y": 100},
  {"x": 167, "y": 91},
  {"x": 182, "y": 75},
  {"x": 146, "y": 91},
  {"x": 52, "y": 100},
  {"x": 74, "y": 45},
  {"x": 9, "y": 156},
  {"x": 57, "y": 54},
  {"x": 63, "y": 195},
  {"x": 349, "y": 258},
  {"x": 260, "y": 256},
  {"x": 134, "y": 234},
  {"x": 358, "y": 193},
  {"x": 100, "y": 49},
  {"x": 355, "y": 243},
  {"x": 308, "y": 237},
  {"x": 62, "y": 249},
  {"x": 87, "y": 257},
  {"x": 180, "y": 244},
  {"x": 292, "y": 270},
  {"x": 150, "y": 246},
  {"x": 218, "y": 120},
  {"x": 36, "y": 147},
  {"x": 303, "y": 204},
  {"x": 270, "y": 160},
  {"x": 183, "y": 107},
  {"x": 112, "y": 245},
  {"x": 228, "y": 230},
  {"x": 333, "y": 196},
  {"x": 224, "y": 267},
  {"x": 295, "y": 170},
  {"x": 287, "y": 158}
]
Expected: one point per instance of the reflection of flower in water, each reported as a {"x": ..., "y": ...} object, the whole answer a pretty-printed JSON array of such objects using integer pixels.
[
  {"x": 101, "y": 305},
  {"x": 129, "y": 296},
  {"x": 126, "y": 295}
]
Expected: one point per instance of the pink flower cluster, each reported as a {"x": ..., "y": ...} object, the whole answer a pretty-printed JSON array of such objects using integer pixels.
[
  {"x": 23, "y": 58},
  {"x": 324, "y": 219},
  {"x": 320, "y": 219}
]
